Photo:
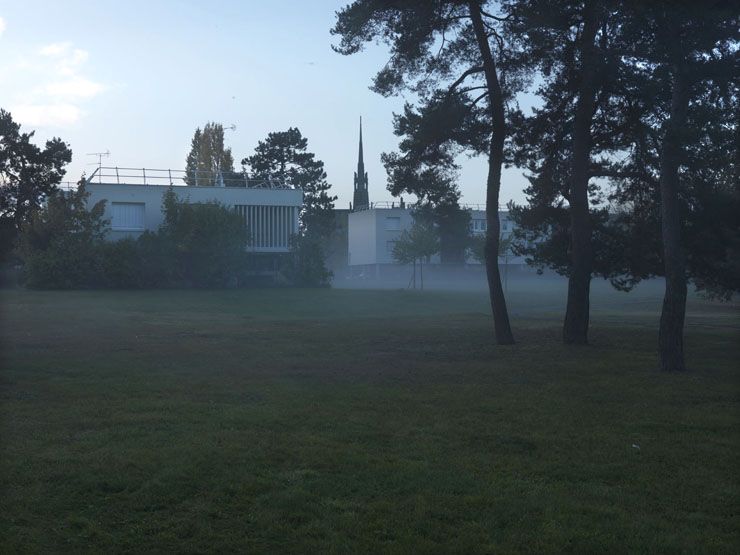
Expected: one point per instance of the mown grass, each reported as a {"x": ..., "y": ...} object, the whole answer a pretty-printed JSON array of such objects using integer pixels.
[{"x": 362, "y": 421}]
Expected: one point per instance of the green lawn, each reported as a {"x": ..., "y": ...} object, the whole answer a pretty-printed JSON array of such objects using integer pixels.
[{"x": 362, "y": 421}]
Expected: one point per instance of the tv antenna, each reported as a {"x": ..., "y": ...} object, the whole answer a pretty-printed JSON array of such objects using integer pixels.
[{"x": 100, "y": 156}]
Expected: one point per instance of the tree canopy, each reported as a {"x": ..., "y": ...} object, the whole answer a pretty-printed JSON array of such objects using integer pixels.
[
  {"x": 28, "y": 175},
  {"x": 284, "y": 157},
  {"x": 208, "y": 157}
]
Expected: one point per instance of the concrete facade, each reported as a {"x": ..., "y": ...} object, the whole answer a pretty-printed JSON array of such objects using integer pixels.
[
  {"x": 270, "y": 214},
  {"x": 372, "y": 234}
]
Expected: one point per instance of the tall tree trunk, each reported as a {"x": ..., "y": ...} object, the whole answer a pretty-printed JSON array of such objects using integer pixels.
[
  {"x": 670, "y": 336},
  {"x": 575, "y": 326},
  {"x": 501, "y": 325}
]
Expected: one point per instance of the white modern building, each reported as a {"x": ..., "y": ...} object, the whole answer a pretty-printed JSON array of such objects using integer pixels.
[
  {"x": 372, "y": 233},
  {"x": 134, "y": 203}
]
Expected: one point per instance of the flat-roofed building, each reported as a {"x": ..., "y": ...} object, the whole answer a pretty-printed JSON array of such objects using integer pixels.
[
  {"x": 372, "y": 233},
  {"x": 134, "y": 203}
]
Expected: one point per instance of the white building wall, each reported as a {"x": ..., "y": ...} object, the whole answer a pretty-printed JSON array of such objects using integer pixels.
[
  {"x": 389, "y": 224},
  {"x": 371, "y": 234},
  {"x": 361, "y": 241},
  {"x": 478, "y": 227},
  {"x": 272, "y": 214}
]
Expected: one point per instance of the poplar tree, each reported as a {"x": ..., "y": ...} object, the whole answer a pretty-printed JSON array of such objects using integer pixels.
[{"x": 208, "y": 156}]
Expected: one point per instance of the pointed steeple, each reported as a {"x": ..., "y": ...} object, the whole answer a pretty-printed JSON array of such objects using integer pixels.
[
  {"x": 361, "y": 200},
  {"x": 360, "y": 161}
]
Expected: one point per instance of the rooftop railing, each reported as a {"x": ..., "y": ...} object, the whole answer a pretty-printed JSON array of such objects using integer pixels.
[
  {"x": 396, "y": 204},
  {"x": 158, "y": 177}
]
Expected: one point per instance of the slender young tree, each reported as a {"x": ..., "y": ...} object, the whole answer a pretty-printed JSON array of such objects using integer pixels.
[
  {"x": 415, "y": 245},
  {"x": 449, "y": 54}
]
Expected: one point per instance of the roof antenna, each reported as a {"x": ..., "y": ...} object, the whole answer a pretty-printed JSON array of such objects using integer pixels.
[{"x": 100, "y": 156}]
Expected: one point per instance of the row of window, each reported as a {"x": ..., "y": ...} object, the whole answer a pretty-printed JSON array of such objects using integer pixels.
[
  {"x": 394, "y": 224},
  {"x": 269, "y": 226},
  {"x": 482, "y": 225}
]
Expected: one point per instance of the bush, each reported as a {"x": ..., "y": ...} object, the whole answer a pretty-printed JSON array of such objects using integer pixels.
[
  {"x": 199, "y": 245},
  {"x": 60, "y": 245},
  {"x": 305, "y": 267},
  {"x": 121, "y": 264},
  {"x": 209, "y": 241}
]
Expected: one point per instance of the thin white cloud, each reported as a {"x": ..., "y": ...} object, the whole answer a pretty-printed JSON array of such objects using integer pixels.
[
  {"x": 47, "y": 114},
  {"x": 55, "y": 49},
  {"x": 76, "y": 87},
  {"x": 61, "y": 88},
  {"x": 67, "y": 59},
  {"x": 68, "y": 65},
  {"x": 2, "y": 26}
]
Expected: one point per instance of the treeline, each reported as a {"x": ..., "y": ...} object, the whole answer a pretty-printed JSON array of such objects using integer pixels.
[
  {"x": 57, "y": 241},
  {"x": 631, "y": 149}
]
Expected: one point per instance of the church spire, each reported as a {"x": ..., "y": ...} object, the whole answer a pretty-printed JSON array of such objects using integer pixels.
[
  {"x": 361, "y": 200},
  {"x": 360, "y": 161}
]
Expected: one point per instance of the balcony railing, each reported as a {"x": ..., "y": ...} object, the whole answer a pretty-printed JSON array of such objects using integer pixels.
[{"x": 158, "y": 177}]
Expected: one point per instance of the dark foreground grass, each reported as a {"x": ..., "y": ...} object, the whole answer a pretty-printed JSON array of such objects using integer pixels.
[{"x": 361, "y": 421}]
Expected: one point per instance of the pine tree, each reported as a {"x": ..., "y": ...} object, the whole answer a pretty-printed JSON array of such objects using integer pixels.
[
  {"x": 682, "y": 89},
  {"x": 284, "y": 157},
  {"x": 452, "y": 56}
]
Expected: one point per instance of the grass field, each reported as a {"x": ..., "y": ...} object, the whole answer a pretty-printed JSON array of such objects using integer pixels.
[{"x": 330, "y": 421}]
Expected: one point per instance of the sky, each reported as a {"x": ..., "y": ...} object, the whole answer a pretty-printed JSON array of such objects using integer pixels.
[{"x": 137, "y": 77}]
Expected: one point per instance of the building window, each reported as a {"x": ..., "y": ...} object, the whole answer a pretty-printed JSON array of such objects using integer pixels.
[
  {"x": 393, "y": 224},
  {"x": 127, "y": 216}
]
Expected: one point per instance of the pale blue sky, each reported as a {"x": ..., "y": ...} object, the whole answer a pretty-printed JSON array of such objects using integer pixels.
[{"x": 137, "y": 77}]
